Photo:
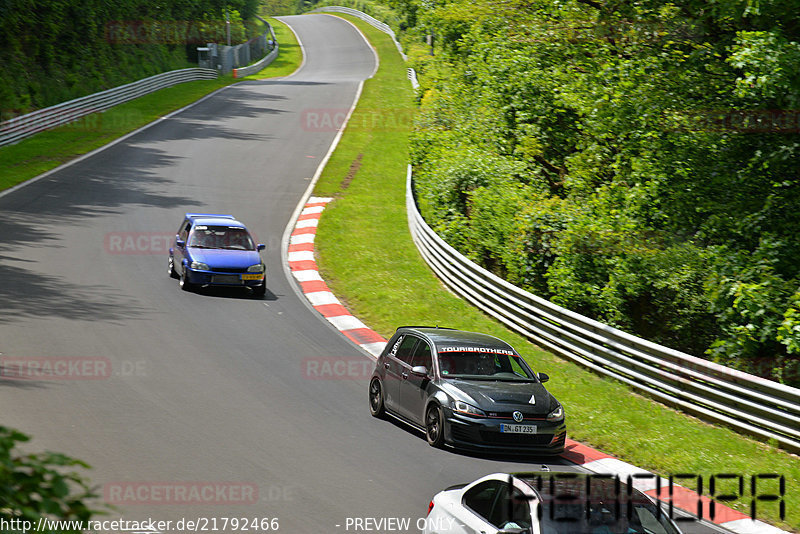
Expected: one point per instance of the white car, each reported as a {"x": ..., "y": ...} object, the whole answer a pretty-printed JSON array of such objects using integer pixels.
[{"x": 546, "y": 503}]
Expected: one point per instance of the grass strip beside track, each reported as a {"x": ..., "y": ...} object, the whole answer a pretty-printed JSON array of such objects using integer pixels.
[
  {"x": 368, "y": 259},
  {"x": 47, "y": 150}
]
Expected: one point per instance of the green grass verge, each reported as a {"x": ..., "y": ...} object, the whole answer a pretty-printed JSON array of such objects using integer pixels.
[
  {"x": 47, "y": 150},
  {"x": 368, "y": 259}
]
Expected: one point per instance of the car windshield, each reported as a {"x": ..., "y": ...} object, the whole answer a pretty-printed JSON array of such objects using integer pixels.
[
  {"x": 483, "y": 363},
  {"x": 603, "y": 518},
  {"x": 221, "y": 237},
  {"x": 566, "y": 506}
]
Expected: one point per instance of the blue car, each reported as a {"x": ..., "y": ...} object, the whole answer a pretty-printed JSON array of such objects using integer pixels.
[{"x": 216, "y": 250}]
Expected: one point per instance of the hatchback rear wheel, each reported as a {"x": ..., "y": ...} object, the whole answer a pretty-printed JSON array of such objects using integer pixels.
[
  {"x": 376, "y": 407},
  {"x": 171, "y": 268}
]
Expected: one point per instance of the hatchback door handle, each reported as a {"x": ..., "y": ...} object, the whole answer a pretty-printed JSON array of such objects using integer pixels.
[
  {"x": 386, "y": 365},
  {"x": 405, "y": 375}
]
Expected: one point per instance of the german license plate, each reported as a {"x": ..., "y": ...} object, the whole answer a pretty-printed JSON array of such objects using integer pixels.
[
  {"x": 518, "y": 429},
  {"x": 225, "y": 279},
  {"x": 251, "y": 277}
]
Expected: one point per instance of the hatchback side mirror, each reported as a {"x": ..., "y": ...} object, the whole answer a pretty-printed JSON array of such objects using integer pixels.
[
  {"x": 419, "y": 370},
  {"x": 543, "y": 377},
  {"x": 261, "y": 247},
  {"x": 180, "y": 243}
]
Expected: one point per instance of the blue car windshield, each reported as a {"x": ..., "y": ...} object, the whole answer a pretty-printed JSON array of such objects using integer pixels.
[
  {"x": 221, "y": 237},
  {"x": 484, "y": 363}
]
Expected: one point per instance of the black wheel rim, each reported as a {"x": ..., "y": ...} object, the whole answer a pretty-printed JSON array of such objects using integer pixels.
[
  {"x": 375, "y": 395},
  {"x": 432, "y": 424}
]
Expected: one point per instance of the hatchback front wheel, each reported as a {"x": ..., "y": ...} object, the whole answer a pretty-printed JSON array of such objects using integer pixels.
[{"x": 434, "y": 426}]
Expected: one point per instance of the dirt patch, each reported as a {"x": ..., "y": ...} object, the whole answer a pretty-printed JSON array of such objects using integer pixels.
[{"x": 351, "y": 173}]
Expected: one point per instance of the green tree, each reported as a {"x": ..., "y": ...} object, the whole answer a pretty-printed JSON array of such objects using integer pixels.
[
  {"x": 649, "y": 153},
  {"x": 40, "y": 485}
]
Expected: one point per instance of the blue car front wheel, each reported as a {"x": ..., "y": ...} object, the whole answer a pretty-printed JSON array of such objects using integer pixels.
[{"x": 184, "y": 281}]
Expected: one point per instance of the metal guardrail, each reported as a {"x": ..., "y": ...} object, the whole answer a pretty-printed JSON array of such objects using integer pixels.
[
  {"x": 18, "y": 128},
  {"x": 366, "y": 18},
  {"x": 748, "y": 403},
  {"x": 257, "y": 66}
]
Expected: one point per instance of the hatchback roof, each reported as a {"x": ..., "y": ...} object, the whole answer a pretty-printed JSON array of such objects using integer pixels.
[
  {"x": 208, "y": 216},
  {"x": 213, "y": 219},
  {"x": 442, "y": 336}
]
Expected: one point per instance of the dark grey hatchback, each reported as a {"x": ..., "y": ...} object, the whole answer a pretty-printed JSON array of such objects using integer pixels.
[{"x": 467, "y": 390}]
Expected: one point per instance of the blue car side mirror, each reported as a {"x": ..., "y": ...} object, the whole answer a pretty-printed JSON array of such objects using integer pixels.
[{"x": 260, "y": 247}]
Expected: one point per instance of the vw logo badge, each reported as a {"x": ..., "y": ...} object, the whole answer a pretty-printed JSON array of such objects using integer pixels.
[{"x": 517, "y": 416}]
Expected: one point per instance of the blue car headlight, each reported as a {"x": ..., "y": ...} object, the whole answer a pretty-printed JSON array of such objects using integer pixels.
[
  {"x": 199, "y": 266},
  {"x": 259, "y": 268},
  {"x": 467, "y": 409},
  {"x": 556, "y": 415}
]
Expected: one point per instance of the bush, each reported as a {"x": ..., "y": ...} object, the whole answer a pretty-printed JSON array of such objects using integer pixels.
[{"x": 40, "y": 485}]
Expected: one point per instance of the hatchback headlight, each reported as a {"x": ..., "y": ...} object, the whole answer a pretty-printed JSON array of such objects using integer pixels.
[
  {"x": 556, "y": 415},
  {"x": 199, "y": 266},
  {"x": 259, "y": 268},
  {"x": 468, "y": 409}
]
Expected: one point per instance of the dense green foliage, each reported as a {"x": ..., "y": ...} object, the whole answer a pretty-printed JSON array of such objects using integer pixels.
[
  {"x": 633, "y": 161},
  {"x": 36, "y": 485},
  {"x": 62, "y": 49}
]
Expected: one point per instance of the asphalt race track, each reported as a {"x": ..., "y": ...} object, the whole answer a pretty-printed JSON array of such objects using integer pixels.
[{"x": 191, "y": 390}]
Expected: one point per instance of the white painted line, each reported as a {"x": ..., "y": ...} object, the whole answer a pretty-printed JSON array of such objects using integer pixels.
[
  {"x": 302, "y": 50},
  {"x": 308, "y": 275},
  {"x": 346, "y": 322},
  {"x": 318, "y": 200},
  {"x": 301, "y": 239},
  {"x": 301, "y": 255},
  {"x": 320, "y": 298},
  {"x": 307, "y": 195},
  {"x": 374, "y": 52},
  {"x": 307, "y": 223}
]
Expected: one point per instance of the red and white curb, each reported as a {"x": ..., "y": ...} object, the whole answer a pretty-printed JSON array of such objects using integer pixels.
[
  {"x": 657, "y": 487},
  {"x": 303, "y": 267}
]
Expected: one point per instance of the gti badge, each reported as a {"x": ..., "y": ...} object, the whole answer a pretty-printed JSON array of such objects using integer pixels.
[{"x": 517, "y": 416}]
